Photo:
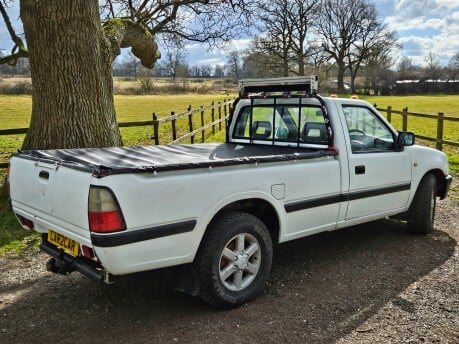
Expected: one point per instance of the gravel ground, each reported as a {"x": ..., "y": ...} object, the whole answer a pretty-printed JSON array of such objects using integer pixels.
[{"x": 373, "y": 283}]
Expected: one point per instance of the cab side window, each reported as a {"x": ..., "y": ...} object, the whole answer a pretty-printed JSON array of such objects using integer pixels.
[{"x": 367, "y": 133}]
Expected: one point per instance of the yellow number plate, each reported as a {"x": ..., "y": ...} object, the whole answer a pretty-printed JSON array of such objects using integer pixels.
[{"x": 61, "y": 241}]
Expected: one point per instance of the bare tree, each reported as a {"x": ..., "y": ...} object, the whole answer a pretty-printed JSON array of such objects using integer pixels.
[
  {"x": 71, "y": 52},
  {"x": 259, "y": 62},
  {"x": 341, "y": 26},
  {"x": 256, "y": 64},
  {"x": 175, "y": 62},
  {"x": 302, "y": 18},
  {"x": 374, "y": 44},
  {"x": 219, "y": 71},
  {"x": 132, "y": 64},
  {"x": 233, "y": 65},
  {"x": 454, "y": 66},
  {"x": 406, "y": 70},
  {"x": 433, "y": 69},
  {"x": 285, "y": 25},
  {"x": 277, "y": 40},
  {"x": 454, "y": 62},
  {"x": 377, "y": 66}
]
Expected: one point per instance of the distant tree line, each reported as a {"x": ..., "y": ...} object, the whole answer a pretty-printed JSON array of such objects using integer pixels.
[{"x": 342, "y": 41}]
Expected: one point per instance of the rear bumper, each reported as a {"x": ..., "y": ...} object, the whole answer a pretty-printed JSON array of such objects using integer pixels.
[{"x": 64, "y": 263}]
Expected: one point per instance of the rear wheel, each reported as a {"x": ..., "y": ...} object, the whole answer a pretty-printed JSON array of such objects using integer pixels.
[
  {"x": 421, "y": 215},
  {"x": 234, "y": 260}
]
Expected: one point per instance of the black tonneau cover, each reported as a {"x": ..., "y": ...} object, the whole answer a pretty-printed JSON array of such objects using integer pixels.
[{"x": 115, "y": 160}]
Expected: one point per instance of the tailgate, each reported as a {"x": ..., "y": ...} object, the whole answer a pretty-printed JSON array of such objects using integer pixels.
[{"x": 53, "y": 197}]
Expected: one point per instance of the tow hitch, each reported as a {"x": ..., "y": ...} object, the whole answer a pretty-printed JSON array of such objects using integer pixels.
[
  {"x": 59, "y": 267},
  {"x": 64, "y": 264}
]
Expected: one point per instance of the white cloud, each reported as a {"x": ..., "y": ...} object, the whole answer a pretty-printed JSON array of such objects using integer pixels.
[
  {"x": 239, "y": 44},
  {"x": 210, "y": 61},
  {"x": 419, "y": 8},
  {"x": 201, "y": 54},
  {"x": 427, "y": 26}
]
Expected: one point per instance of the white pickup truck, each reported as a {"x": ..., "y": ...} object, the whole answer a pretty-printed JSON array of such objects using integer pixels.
[{"x": 294, "y": 164}]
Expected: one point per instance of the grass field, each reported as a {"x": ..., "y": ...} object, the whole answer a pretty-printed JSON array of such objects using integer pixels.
[
  {"x": 15, "y": 113},
  {"x": 448, "y": 105}
]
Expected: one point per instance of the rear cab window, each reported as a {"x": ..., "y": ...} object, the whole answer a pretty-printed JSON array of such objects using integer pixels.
[{"x": 281, "y": 124}]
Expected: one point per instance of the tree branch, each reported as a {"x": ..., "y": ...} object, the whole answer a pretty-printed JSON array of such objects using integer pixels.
[
  {"x": 123, "y": 33},
  {"x": 19, "y": 49}
]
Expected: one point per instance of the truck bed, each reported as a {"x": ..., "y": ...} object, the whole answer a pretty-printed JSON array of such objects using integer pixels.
[{"x": 115, "y": 160}]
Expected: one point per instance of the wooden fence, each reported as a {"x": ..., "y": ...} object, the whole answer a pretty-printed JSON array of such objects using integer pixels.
[
  {"x": 440, "y": 117},
  {"x": 218, "y": 113}
]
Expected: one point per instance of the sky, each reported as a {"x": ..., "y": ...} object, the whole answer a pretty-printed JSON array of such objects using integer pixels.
[{"x": 423, "y": 27}]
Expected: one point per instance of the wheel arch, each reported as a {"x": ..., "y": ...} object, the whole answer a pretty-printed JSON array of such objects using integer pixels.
[
  {"x": 442, "y": 187},
  {"x": 259, "y": 207}
]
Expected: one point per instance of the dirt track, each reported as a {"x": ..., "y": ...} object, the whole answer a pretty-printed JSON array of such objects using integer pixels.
[{"x": 371, "y": 283}]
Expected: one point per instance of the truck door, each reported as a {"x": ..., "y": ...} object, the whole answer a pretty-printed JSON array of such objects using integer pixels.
[{"x": 379, "y": 175}]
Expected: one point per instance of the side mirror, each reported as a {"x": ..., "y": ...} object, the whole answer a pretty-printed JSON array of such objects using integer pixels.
[{"x": 405, "y": 139}]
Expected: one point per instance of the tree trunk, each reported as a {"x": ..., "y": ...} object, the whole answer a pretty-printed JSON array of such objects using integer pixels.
[
  {"x": 353, "y": 72},
  {"x": 71, "y": 68},
  {"x": 341, "y": 70},
  {"x": 285, "y": 66}
]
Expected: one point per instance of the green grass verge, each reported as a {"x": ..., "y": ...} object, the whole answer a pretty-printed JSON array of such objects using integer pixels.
[
  {"x": 13, "y": 239},
  {"x": 453, "y": 162}
]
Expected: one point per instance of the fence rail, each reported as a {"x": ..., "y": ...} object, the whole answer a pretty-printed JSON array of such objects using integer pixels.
[
  {"x": 218, "y": 110},
  {"x": 222, "y": 113},
  {"x": 219, "y": 114},
  {"x": 440, "y": 117}
]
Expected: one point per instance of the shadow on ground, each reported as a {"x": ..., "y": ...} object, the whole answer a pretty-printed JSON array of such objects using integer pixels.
[{"x": 320, "y": 288}]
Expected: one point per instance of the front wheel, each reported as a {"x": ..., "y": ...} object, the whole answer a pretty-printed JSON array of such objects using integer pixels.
[
  {"x": 234, "y": 260},
  {"x": 421, "y": 215}
]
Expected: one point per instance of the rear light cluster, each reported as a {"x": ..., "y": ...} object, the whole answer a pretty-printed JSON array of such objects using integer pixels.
[{"x": 104, "y": 213}]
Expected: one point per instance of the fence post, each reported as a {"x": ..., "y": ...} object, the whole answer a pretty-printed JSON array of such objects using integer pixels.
[
  {"x": 155, "y": 129},
  {"x": 389, "y": 114},
  {"x": 174, "y": 127},
  {"x": 213, "y": 117},
  {"x": 219, "y": 115},
  {"x": 405, "y": 119},
  {"x": 203, "y": 133},
  {"x": 225, "y": 112},
  {"x": 439, "y": 143},
  {"x": 190, "y": 123}
]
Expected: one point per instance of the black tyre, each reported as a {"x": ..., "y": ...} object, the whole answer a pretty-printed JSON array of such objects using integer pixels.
[
  {"x": 234, "y": 260},
  {"x": 421, "y": 215}
]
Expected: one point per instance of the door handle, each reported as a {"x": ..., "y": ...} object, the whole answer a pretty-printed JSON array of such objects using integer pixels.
[
  {"x": 360, "y": 169},
  {"x": 44, "y": 174}
]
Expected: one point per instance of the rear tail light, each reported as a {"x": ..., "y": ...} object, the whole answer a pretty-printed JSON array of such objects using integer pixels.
[{"x": 104, "y": 213}]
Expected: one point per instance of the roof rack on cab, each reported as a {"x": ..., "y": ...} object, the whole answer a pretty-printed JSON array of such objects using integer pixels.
[{"x": 278, "y": 87}]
